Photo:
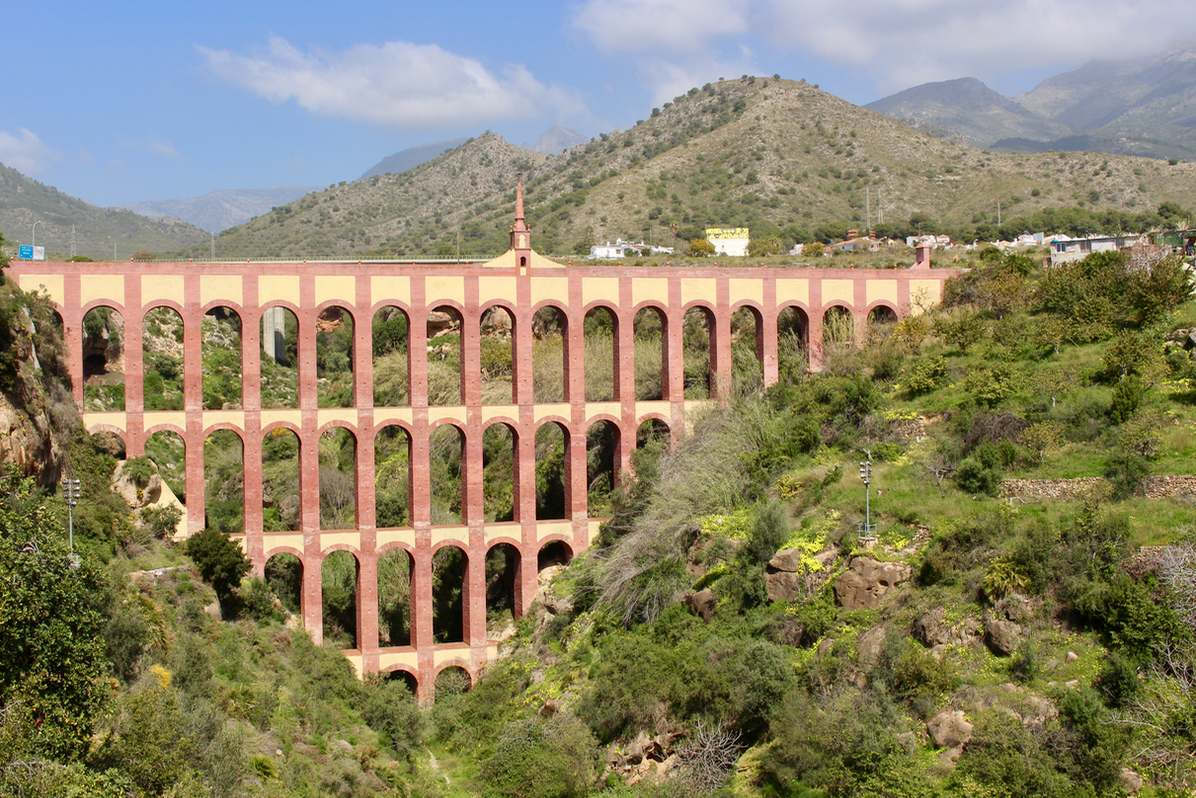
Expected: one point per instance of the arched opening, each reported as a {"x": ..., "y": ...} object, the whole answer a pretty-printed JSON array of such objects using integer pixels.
[
  {"x": 652, "y": 431},
  {"x": 221, "y": 373},
  {"x": 446, "y": 448},
  {"x": 103, "y": 360},
  {"x": 392, "y": 477},
  {"x": 444, "y": 357},
  {"x": 497, "y": 328},
  {"x": 747, "y": 352},
  {"x": 394, "y": 598},
  {"x": 793, "y": 337},
  {"x": 338, "y": 588},
  {"x": 651, "y": 346},
  {"x": 838, "y": 337},
  {"x": 169, "y": 453},
  {"x": 224, "y": 482},
  {"x": 334, "y": 357},
  {"x": 880, "y": 324},
  {"x": 499, "y": 473},
  {"x": 392, "y": 363},
  {"x": 601, "y": 329},
  {"x": 452, "y": 681},
  {"x": 109, "y": 442},
  {"x": 284, "y": 576},
  {"x": 502, "y": 580},
  {"x": 549, "y": 329},
  {"x": 162, "y": 359},
  {"x": 281, "y": 508},
  {"x": 554, "y": 554},
  {"x": 602, "y": 463},
  {"x": 406, "y": 677},
  {"x": 280, "y": 362},
  {"x": 697, "y": 334},
  {"x": 449, "y": 567},
  {"x": 338, "y": 479},
  {"x": 552, "y": 457}
]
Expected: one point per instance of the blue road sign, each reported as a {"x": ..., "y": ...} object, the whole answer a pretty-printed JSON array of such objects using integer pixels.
[{"x": 26, "y": 252}]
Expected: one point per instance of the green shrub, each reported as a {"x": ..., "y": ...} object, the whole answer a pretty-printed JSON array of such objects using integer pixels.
[{"x": 537, "y": 758}]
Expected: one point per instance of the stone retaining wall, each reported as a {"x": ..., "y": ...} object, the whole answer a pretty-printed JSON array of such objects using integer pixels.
[{"x": 1161, "y": 486}]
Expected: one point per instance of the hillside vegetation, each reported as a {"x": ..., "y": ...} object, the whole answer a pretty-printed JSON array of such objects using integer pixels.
[
  {"x": 729, "y": 634},
  {"x": 778, "y": 156},
  {"x": 63, "y": 218}
]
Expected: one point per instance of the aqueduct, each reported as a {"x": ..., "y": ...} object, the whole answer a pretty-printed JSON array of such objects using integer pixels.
[{"x": 520, "y": 282}]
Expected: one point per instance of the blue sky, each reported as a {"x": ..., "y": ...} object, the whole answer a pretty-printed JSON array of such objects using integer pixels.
[{"x": 134, "y": 101}]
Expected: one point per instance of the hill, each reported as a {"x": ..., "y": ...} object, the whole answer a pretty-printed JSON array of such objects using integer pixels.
[
  {"x": 1144, "y": 106},
  {"x": 219, "y": 210},
  {"x": 777, "y": 156},
  {"x": 93, "y": 230}
]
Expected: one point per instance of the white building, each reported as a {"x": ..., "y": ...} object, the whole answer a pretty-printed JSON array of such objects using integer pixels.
[
  {"x": 1064, "y": 249},
  {"x": 729, "y": 241}
]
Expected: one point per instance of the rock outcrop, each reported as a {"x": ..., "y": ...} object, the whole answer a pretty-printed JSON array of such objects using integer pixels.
[{"x": 867, "y": 581}]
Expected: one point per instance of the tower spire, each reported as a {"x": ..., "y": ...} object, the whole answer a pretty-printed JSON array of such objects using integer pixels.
[{"x": 520, "y": 233}]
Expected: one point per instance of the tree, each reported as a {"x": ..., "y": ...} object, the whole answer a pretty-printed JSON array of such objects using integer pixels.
[
  {"x": 701, "y": 248},
  {"x": 765, "y": 245},
  {"x": 814, "y": 249},
  {"x": 52, "y": 661},
  {"x": 220, "y": 560}
]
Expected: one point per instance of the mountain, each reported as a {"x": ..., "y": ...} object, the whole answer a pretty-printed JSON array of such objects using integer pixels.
[
  {"x": 410, "y": 158},
  {"x": 966, "y": 107},
  {"x": 774, "y": 155},
  {"x": 556, "y": 140},
  {"x": 1144, "y": 106},
  {"x": 68, "y": 226},
  {"x": 220, "y": 210}
]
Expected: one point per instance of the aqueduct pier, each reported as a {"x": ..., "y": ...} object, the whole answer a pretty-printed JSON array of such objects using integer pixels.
[{"x": 521, "y": 282}]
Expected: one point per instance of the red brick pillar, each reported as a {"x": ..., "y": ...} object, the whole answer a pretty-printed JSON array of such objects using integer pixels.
[
  {"x": 814, "y": 336},
  {"x": 192, "y": 346},
  {"x": 306, "y": 355},
  {"x": 72, "y": 334},
  {"x": 720, "y": 342},
  {"x": 574, "y": 343},
  {"x": 473, "y": 589},
  {"x": 309, "y": 473},
  {"x": 251, "y": 348},
  {"x": 421, "y": 594},
  {"x": 575, "y": 474},
  {"x": 363, "y": 345},
  {"x": 367, "y": 593},
  {"x": 674, "y": 355},
  {"x": 133, "y": 315},
  {"x": 766, "y": 336},
  {"x": 624, "y": 343},
  {"x": 251, "y": 464},
  {"x": 859, "y": 310},
  {"x": 313, "y": 597},
  {"x": 363, "y": 471},
  {"x": 527, "y": 574},
  {"x": 193, "y": 441}
]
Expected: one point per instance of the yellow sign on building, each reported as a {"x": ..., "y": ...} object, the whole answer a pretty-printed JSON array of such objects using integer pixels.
[{"x": 716, "y": 233}]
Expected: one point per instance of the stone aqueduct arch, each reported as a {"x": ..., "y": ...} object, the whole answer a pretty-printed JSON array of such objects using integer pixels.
[{"x": 522, "y": 282}]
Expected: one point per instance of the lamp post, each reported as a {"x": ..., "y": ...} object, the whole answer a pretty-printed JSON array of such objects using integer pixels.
[
  {"x": 110, "y": 238},
  {"x": 35, "y": 224},
  {"x": 72, "y": 492},
  {"x": 867, "y": 530}
]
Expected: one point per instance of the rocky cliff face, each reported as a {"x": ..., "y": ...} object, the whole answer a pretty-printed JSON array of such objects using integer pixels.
[{"x": 37, "y": 411}]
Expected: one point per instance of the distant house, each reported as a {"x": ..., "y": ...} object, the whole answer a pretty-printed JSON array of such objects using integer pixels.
[
  {"x": 1064, "y": 249},
  {"x": 935, "y": 242},
  {"x": 856, "y": 243},
  {"x": 621, "y": 249}
]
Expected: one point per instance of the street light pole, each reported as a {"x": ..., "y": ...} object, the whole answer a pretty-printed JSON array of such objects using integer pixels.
[
  {"x": 35, "y": 224},
  {"x": 867, "y": 530},
  {"x": 113, "y": 240},
  {"x": 72, "y": 493}
]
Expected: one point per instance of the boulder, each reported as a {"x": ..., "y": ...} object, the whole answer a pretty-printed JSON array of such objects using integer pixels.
[
  {"x": 785, "y": 586},
  {"x": 1001, "y": 636},
  {"x": 869, "y": 646},
  {"x": 931, "y": 628},
  {"x": 949, "y": 728},
  {"x": 1131, "y": 782},
  {"x": 702, "y": 604},
  {"x": 867, "y": 581},
  {"x": 788, "y": 560}
]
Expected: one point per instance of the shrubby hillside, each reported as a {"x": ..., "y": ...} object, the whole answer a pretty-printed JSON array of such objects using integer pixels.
[{"x": 1021, "y": 625}]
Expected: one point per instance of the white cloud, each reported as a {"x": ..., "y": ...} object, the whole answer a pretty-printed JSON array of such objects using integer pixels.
[
  {"x": 899, "y": 43},
  {"x": 397, "y": 84},
  {"x": 661, "y": 25},
  {"x": 669, "y": 79},
  {"x": 906, "y": 42},
  {"x": 25, "y": 152}
]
